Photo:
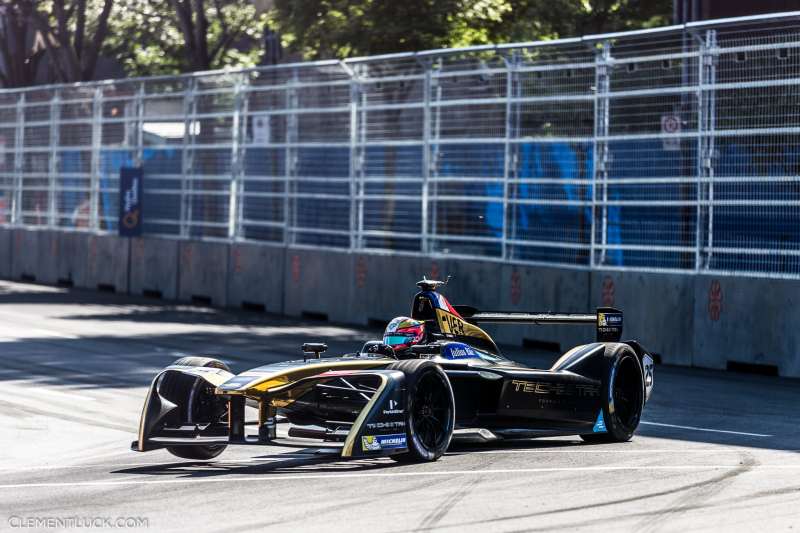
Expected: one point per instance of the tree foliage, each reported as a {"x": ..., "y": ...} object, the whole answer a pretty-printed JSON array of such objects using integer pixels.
[
  {"x": 172, "y": 36},
  {"x": 69, "y": 32},
  {"x": 149, "y": 37},
  {"x": 342, "y": 28},
  {"x": 20, "y": 51}
]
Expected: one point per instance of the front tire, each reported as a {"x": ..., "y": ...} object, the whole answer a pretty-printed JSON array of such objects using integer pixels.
[
  {"x": 430, "y": 410},
  {"x": 198, "y": 404},
  {"x": 622, "y": 395}
]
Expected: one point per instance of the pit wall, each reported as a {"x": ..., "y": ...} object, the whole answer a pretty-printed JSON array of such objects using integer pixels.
[{"x": 688, "y": 320}]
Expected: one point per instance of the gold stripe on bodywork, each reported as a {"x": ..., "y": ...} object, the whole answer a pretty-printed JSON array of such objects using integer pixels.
[
  {"x": 284, "y": 377},
  {"x": 347, "y": 450}
]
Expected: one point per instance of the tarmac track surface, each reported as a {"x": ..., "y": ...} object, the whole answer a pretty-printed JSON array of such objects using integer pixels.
[{"x": 716, "y": 451}]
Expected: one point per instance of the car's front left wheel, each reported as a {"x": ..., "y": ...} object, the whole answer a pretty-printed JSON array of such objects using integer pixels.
[
  {"x": 430, "y": 410},
  {"x": 197, "y": 404}
]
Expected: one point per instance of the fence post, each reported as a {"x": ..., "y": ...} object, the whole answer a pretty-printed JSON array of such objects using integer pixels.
[
  {"x": 138, "y": 155},
  {"x": 706, "y": 77},
  {"x": 601, "y": 153},
  {"x": 511, "y": 154},
  {"x": 17, "y": 218},
  {"x": 235, "y": 191},
  {"x": 52, "y": 169},
  {"x": 357, "y": 139},
  {"x": 97, "y": 140},
  {"x": 290, "y": 163},
  {"x": 427, "y": 159},
  {"x": 187, "y": 159}
]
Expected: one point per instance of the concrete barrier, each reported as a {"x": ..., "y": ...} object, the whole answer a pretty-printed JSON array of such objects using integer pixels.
[
  {"x": 47, "y": 257},
  {"x": 383, "y": 287},
  {"x": 691, "y": 320},
  {"x": 320, "y": 284},
  {"x": 73, "y": 259},
  {"x": 107, "y": 263},
  {"x": 154, "y": 267},
  {"x": 659, "y": 310},
  {"x": 256, "y": 277},
  {"x": 6, "y": 239},
  {"x": 747, "y": 321},
  {"x": 546, "y": 289},
  {"x": 25, "y": 263},
  {"x": 203, "y": 272}
]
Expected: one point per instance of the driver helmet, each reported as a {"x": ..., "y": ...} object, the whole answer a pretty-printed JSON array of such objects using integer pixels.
[{"x": 402, "y": 333}]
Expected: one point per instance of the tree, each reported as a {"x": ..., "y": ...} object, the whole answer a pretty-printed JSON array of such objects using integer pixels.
[
  {"x": 21, "y": 47},
  {"x": 72, "y": 33},
  {"x": 552, "y": 19},
  {"x": 342, "y": 28},
  {"x": 173, "y": 36}
]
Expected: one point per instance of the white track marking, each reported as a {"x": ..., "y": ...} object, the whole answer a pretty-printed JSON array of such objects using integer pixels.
[
  {"x": 290, "y": 477},
  {"x": 693, "y": 428},
  {"x": 167, "y": 462},
  {"x": 595, "y": 451}
]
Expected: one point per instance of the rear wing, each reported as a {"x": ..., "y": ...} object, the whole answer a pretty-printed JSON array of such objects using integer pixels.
[{"x": 607, "y": 320}]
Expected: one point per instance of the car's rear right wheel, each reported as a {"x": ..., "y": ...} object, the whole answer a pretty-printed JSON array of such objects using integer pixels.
[
  {"x": 430, "y": 410},
  {"x": 621, "y": 395}
]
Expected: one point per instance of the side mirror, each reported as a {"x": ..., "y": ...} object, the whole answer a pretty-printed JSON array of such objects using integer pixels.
[
  {"x": 378, "y": 348},
  {"x": 315, "y": 348},
  {"x": 426, "y": 349}
]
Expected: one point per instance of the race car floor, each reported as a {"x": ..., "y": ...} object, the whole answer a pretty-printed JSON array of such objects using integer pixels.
[{"x": 716, "y": 451}]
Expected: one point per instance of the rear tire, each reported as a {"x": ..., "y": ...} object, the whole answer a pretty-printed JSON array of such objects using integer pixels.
[
  {"x": 197, "y": 403},
  {"x": 430, "y": 412},
  {"x": 622, "y": 395}
]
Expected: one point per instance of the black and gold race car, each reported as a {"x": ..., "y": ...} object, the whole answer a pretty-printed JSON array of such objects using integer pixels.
[{"x": 407, "y": 404}]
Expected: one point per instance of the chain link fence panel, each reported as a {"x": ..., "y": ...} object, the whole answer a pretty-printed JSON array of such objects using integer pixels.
[{"x": 673, "y": 149}]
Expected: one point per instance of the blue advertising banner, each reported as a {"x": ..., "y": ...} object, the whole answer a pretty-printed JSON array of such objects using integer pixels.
[{"x": 130, "y": 201}]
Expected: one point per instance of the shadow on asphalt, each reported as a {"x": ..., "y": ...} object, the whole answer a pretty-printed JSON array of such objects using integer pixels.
[
  {"x": 720, "y": 405},
  {"x": 311, "y": 463}
]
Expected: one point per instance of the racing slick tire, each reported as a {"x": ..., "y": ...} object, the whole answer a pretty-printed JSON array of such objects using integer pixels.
[
  {"x": 195, "y": 398},
  {"x": 622, "y": 394},
  {"x": 430, "y": 410}
]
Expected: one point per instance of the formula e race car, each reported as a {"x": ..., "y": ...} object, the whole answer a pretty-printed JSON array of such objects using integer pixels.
[{"x": 435, "y": 375}]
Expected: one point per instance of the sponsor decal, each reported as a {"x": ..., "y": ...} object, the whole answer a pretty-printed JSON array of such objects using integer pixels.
[
  {"x": 715, "y": 301},
  {"x": 296, "y": 268},
  {"x": 397, "y": 424},
  {"x": 361, "y": 272},
  {"x": 516, "y": 287},
  {"x": 452, "y": 324},
  {"x": 373, "y": 443},
  {"x": 130, "y": 201},
  {"x": 609, "y": 319},
  {"x": 607, "y": 296},
  {"x": 393, "y": 408},
  {"x": 555, "y": 389},
  {"x": 600, "y": 425},
  {"x": 459, "y": 351}
]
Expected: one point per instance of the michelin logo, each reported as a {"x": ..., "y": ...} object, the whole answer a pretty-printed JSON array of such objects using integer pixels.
[{"x": 374, "y": 443}]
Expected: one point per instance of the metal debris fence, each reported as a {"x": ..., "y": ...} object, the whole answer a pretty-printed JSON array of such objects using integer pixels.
[{"x": 672, "y": 149}]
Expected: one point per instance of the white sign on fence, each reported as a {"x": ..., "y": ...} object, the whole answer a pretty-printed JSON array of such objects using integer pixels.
[
  {"x": 261, "y": 130},
  {"x": 671, "y": 125}
]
